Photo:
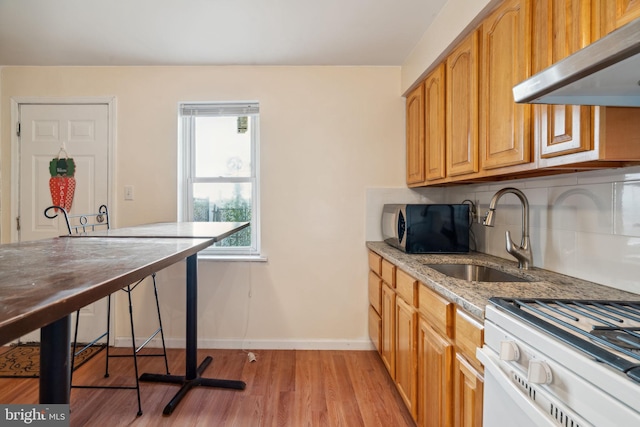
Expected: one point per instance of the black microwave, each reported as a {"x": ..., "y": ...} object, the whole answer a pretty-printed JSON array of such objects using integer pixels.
[{"x": 427, "y": 228}]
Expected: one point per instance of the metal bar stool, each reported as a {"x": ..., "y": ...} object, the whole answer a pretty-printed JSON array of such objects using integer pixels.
[{"x": 84, "y": 223}]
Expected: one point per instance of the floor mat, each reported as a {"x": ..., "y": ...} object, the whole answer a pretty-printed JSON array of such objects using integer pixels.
[{"x": 23, "y": 360}]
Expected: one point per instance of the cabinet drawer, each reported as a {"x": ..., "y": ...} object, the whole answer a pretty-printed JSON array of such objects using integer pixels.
[
  {"x": 375, "y": 263},
  {"x": 375, "y": 327},
  {"x": 469, "y": 335},
  {"x": 406, "y": 287},
  {"x": 375, "y": 289},
  {"x": 388, "y": 273},
  {"x": 436, "y": 310}
]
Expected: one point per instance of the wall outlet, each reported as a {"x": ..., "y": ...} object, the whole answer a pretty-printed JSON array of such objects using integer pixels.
[{"x": 128, "y": 192}]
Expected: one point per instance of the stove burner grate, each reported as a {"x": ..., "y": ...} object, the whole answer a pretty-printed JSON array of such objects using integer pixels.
[
  {"x": 616, "y": 342},
  {"x": 618, "y": 336}
]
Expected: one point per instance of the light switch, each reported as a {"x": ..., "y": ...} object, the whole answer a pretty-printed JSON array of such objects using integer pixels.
[{"x": 128, "y": 192}]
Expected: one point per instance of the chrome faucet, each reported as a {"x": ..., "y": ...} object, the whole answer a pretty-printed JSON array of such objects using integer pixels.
[{"x": 523, "y": 252}]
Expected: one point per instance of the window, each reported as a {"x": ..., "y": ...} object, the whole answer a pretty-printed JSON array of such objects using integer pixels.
[{"x": 218, "y": 168}]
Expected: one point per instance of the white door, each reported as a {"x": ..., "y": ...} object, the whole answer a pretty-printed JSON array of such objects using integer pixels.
[{"x": 48, "y": 131}]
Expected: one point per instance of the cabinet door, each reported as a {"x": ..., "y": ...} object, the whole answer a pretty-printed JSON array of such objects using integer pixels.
[
  {"x": 415, "y": 136},
  {"x": 620, "y": 12},
  {"x": 387, "y": 342},
  {"x": 560, "y": 28},
  {"x": 468, "y": 394},
  {"x": 375, "y": 285},
  {"x": 435, "y": 382},
  {"x": 406, "y": 354},
  {"x": 375, "y": 327},
  {"x": 434, "y": 124},
  {"x": 505, "y": 126},
  {"x": 462, "y": 108}
]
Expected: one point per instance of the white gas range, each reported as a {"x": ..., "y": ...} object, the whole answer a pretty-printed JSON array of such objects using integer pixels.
[{"x": 561, "y": 363}]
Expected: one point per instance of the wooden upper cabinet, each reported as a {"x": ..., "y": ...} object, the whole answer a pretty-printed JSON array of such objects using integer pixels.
[
  {"x": 462, "y": 121},
  {"x": 619, "y": 12},
  {"x": 415, "y": 136},
  {"x": 462, "y": 107},
  {"x": 560, "y": 28},
  {"x": 571, "y": 136},
  {"x": 434, "y": 123},
  {"x": 505, "y": 126}
]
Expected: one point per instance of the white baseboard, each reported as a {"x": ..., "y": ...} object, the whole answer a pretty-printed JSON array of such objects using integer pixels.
[{"x": 249, "y": 344}]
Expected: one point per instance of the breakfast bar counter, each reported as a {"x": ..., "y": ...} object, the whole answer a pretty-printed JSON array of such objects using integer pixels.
[
  {"x": 193, "y": 372},
  {"x": 43, "y": 281}
]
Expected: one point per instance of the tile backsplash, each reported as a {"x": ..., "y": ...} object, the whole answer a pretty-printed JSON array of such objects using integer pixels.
[{"x": 585, "y": 224}]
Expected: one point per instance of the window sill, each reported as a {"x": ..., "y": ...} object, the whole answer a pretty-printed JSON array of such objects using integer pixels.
[{"x": 232, "y": 258}]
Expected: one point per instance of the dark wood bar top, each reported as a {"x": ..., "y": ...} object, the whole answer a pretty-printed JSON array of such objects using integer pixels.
[
  {"x": 215, "y": 230},
  {"x": 44, "y": 280}
]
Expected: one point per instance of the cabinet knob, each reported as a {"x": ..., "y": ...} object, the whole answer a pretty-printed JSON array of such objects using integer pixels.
[
  {"x": 509, "y": 351},
  {"x": 539, "y": 372}
]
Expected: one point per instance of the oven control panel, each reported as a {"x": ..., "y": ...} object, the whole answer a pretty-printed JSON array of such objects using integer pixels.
[{"x": 538, "y": 371}]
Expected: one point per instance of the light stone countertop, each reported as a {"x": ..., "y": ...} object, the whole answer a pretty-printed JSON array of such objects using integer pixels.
[{"x": 474, "y": 296}]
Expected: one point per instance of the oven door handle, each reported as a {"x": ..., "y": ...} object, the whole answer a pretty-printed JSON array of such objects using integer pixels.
[{"x": 492, "y": 367}]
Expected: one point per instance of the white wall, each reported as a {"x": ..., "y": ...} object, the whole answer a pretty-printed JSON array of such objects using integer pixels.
[{"x": 327, "y": 133}]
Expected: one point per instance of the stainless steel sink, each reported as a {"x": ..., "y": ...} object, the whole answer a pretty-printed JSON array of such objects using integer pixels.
[{"x": 477, "y": 273}]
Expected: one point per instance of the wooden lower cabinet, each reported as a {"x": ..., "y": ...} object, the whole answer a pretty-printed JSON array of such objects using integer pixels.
[
  {"x": 435, "y": 381},
  {"x": 375, "y": 327},
  {"x": 388, "y": 338},
  {"x": 406, "y": 354},
  {"x": 375, "y": 299},
  {"x": 375, "y": 288},
  {"x": 428, "y": 345},
  {"x": 468, "y": 394},
  {"x": 468, "y": 377}
]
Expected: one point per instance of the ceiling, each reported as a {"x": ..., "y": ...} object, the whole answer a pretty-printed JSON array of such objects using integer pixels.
[{"x": 212, "y": 32}]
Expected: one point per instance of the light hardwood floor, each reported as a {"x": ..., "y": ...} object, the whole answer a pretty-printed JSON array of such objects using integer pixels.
[{"x": 284, "y": 388}]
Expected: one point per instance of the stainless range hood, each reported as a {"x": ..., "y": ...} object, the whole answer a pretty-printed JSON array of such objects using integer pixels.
[{"x": 607, "y": 72}]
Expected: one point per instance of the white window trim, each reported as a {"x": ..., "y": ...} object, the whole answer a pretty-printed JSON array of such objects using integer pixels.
[{"x": 186, "y": 168}]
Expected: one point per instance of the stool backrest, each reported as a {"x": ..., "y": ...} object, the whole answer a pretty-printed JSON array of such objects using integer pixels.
[{"x": 81, "y": 223}]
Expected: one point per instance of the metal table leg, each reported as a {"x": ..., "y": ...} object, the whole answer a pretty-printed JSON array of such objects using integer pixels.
[
  {"x": 193, "y": 375},
  {"x": 55, "y": 369}
]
